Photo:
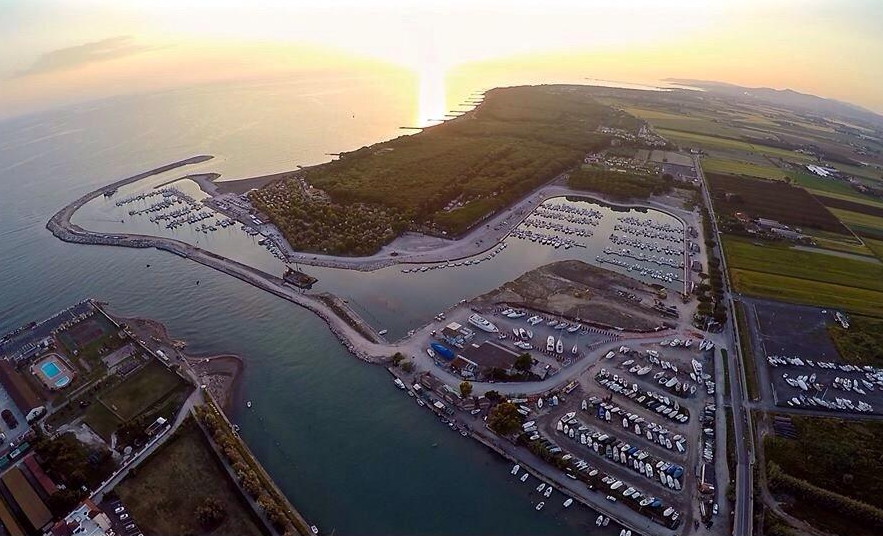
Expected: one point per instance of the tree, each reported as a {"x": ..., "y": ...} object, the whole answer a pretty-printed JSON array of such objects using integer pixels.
[
  {"x": 465, "y": 389},
  {"x": 397, "y": 358},
  {"x": 504, "y": 419},
  {"x": 408, "y": 366},
  {"x": 493, "y": 396},
  {"x": 210, "y": 513},
  {"x": 523, "y": 362}
]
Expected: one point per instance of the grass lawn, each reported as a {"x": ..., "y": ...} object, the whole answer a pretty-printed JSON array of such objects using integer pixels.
[
  {"x": 737, "y": 167},
  {"x": 101, "y": 420},
  {"x": 862, "y": 343},
  {"x": 142, "y": 389},
  {"x": 855, "y": 197},
  {"x": 165, "y": 491}
]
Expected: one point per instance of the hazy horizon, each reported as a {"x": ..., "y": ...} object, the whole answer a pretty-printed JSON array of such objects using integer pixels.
[{"x": 69, "y": 52}]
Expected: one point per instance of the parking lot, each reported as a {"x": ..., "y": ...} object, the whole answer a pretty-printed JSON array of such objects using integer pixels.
[{"x": 121, "y": 520}]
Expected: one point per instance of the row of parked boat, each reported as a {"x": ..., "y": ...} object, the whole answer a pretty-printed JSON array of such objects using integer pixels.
[
  {"x": 644, "y": 232},
  {"x": 454, "y": 264},
  {"x": 540, "y": 223},
  {"x": 546, "y": 239},
  {"x": 620, "y": 451},
  {"x": 653, "y": 432},
  {"x": 650, "y": 223},
  {"x": 542, "y": 488},
  {"x": 570, "y": 218},
  {"x": 659, "y": 275},
  {"x": 643, "y": 245},
  {"x": 653, "y": 259},
  {"x": 144, "y": 195},
  {"x": 814, "y": 386},
  {"x": 571, "y": 209},
  {"x": 652, "y": 400}
]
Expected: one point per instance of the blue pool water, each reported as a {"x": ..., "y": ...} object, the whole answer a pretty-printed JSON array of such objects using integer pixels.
[
  {"x": 61, "y": 382},
  {"x": 50, "y": 369}
]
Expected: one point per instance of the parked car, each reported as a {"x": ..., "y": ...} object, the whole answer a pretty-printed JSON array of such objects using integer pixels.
[{"x": 9, "y": 418}]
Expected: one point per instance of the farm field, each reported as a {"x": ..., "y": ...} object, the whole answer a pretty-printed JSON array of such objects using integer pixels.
[
  {"x": 866, "y": 208},
  {"x": 862, "y": 343},
  {"x": 861, "y": 224},
  {"x": 681, "y": 122},
  {"x": 854, "y": 197},
  {"x": 839, "y": 242},
  {"x": 774, "y": 258},
  {"x": 165, "y": 492},
  {"x": 876, "y": 246},
  {"x": 774, "y": 200},
  {"x": 712, "y": 142},
  {"x": 787, "y": 274},
  {"x": 736, "y": 167},
  {"x": 795, "y": 290}
]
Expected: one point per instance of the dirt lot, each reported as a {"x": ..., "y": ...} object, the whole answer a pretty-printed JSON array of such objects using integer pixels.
[
  {"x": 166, "y": 491},
  {"x": 575, "y": 289},
  {"x": 795, "y": 330}
]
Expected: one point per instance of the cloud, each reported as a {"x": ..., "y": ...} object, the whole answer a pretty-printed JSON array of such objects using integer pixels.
[{"x": 76, "y": 56}]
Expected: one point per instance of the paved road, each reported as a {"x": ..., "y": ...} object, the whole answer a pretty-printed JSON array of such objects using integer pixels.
[{"x": 742, "y": 522}]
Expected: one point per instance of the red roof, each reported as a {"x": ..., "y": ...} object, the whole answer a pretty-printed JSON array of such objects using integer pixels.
[{"x": 40, "y": 475}]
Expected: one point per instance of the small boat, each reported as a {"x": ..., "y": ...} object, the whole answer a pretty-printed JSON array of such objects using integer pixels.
[
  {"x": 550, "y": 343},
  {"x": 567, "y": 503},
  {"x": 515, "y": 332},
  {"x": 430, "y": 352},
  {"x": 541, "y": 487},
  {"x": 383, "y": 332},
  {"x": 399, "y": 383},
  {"x": 559, "y": 346},
  {"x": 605, "y": 522},
  {"x": 574, "y": 350},
  {"x": 540, "y": 506},
  {"x": 599, "y": 520},
  {"x": 524, "y": 477},
  {"x": 315, "y": 529},
  {"x": 248, "y": 404},
  {"x": 515, "y": 469},
  {"x": 549, "y": 491}
]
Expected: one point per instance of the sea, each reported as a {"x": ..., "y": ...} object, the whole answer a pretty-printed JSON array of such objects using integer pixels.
[{"x": 352, "y": 453}]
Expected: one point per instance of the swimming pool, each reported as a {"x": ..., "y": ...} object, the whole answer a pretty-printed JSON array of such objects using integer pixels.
[
  {"x": 50, "y": 369},
  {"x": 61, "y": 382}
]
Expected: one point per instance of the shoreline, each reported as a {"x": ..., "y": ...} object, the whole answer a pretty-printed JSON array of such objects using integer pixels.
[{"x": 220, "y": 373}]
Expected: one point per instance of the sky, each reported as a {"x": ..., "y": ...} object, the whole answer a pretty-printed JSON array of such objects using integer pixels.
[{"x": 59, "y": 52}]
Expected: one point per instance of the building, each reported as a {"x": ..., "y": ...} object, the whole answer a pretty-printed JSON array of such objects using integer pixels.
[
  {"x": 26, "y": 498},
  {"x": 456, "y": 334},
  {"x": 86, "y": 520},
  {"x": 477, "y": 359}
]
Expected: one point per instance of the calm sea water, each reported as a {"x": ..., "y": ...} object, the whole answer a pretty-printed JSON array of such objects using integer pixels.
[{"x": 349, "y": 450}]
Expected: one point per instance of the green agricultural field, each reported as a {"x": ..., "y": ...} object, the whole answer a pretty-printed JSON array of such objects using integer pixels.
[
  {"x": 712, "y": 142},
  {"x": 792, "y": 289},
  {"x": 781, "y": 259},
  {"x": 736, "y": 167},
  {"x": 840, "y": 242},
  {"x": 876, "y": 246},
  {"x": 686, "y": 123},
  {"x": 858, "y": 219},
  {"x": 853, "y": 196},
  {"x": 780, "y": 272},
  {"x": 142, "y": 389}
]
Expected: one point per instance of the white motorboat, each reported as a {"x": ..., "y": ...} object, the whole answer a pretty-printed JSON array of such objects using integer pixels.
[
  {"x": 550, "y": 343},
  {"x": 540, "y": 506},
  {"x": 482, "y": 323},
  {"x": 515, "y": 469},
  {"x": 567, "y": 503},
  {"x": 559, "y": 346},
  {"x": 524, "y": 477}
]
